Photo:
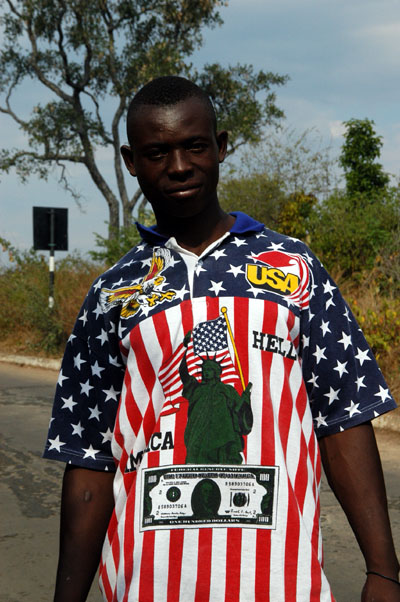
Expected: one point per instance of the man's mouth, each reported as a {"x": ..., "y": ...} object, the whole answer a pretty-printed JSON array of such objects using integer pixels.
[{"x": 182, "y": 192}]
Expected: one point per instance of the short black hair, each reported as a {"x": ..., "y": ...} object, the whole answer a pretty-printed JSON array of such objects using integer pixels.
[{"x": 165, "y": 91}]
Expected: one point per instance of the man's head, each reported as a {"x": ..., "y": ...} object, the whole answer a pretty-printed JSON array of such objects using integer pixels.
[
  {"x": 174, "y": 149},
  {"x": 162, "y": 92}
]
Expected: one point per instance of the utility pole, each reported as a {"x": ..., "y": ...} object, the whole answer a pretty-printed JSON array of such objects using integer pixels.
[{"x": 50, "y": 233}]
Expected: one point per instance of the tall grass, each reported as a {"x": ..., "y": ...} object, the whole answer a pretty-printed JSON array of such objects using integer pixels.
[{"x": 27, "y": 325}]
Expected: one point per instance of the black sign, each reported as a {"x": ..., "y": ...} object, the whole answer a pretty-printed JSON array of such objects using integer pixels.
[{"x": 50, "y": 229}]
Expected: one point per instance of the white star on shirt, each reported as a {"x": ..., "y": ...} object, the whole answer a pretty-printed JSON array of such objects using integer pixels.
[
  {"x": 218, "y": 253},
  {"x": 71, "y": 338},
  {"x": 172, "y": 262},
  {"x": 308, "y": 257},
  {"x": 112, "y": 328},
  {"x": 346, "y": 314},
  {"x": 239, "y": 242},
  {"x": 345, "y": 340},
  {"x": 90, "y": 452},
  {"x": 181, "y": 293},
  {"x": 235, "y": 270},
  {"x": 111, "y": 393},
  {"x": 97, "y": 311},
  {"x": 86, "y": 387},
  {"x": 69, "y": 403},
  {"x": 306, "y": 341},
  {"x": 319, "y": 354},
  {"x": 146, "y": 262},
  {"x": 216, "y": 287},
  {"x": 341, "y": 368},
  {"x": 114, "y": 361},
  {"x": 78, "y": 361},
  {"x": 328, "y": 287},
  {"x": 140, "y": 248},
  {"x": 107, "y": 436},
  {"x": 95, "y": 413},
  {"x": 255, "y": 291},
  {"x": 199, "y": 268},
  {"x": 77, "y": 429},
  {"x": 103, "y": 337},
  {"x": 329, "y": 303},
  {"x": 313, "y": 380},
  {"x": 98, "y": 284},
  {"x": 321, "y": 420},
  {"x": 61, "y": 377},
  {"x": 56, "y": 443},
  {"x": 383, "y": 394},
  {"x": 96, "y": 369},
  {"x": 325, "y": 327},
  {"x": 353, "y": 409},
  {"x": 120, "y": 281},
  {"x": 362, "y": 356},
  {"x": 276, "y": 246},
  {"x": 332, "y": 395},
  {"x": 84, "y": 317},
  {"x": 360, "y": 382}
]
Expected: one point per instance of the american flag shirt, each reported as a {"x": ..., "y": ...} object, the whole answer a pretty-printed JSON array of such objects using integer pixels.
[{"x": 205, "y": 382}]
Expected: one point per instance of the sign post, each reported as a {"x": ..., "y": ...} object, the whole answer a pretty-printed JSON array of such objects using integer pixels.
[{"x": 50, "y": 233}]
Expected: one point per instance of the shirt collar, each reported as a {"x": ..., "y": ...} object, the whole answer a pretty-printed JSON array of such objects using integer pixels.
[{"x": 244, "y": 224}]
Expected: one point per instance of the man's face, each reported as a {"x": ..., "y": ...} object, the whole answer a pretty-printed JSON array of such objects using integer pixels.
[{"x": 175, "y": 156}]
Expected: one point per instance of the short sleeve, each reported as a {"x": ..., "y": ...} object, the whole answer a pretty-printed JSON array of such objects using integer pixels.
[
  {"x": 343, "y": 381},
  {"x": 88, "y": 390}
]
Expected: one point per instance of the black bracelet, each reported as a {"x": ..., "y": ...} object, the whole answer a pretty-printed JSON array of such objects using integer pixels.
[{"x": 383, "y": 576}]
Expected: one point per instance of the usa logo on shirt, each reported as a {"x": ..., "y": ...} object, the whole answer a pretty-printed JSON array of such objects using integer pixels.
[{"x": 282, "y": 273}]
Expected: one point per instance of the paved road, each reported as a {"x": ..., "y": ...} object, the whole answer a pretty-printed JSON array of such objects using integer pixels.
[{"x": 30, "y": 490}]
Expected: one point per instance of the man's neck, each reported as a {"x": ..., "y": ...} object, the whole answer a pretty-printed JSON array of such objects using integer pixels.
[{"x": 196, "y": 233}]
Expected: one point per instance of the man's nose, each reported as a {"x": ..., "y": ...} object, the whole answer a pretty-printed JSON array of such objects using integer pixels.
[{"x": 179, "y": 165}]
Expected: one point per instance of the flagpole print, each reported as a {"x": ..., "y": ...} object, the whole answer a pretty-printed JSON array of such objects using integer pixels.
[
  {"x": 225, "y": 314},
  {"x": 208, "y": 341}
]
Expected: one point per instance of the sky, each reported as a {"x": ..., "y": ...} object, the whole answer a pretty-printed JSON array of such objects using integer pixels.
[{"x": 343, "y": 61}]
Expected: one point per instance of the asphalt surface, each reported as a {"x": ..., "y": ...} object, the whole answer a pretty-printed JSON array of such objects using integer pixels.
[{"x": 30, "y": 493}]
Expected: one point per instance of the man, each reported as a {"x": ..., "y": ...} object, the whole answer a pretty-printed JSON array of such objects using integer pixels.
[{"x": 261, "y": 306}]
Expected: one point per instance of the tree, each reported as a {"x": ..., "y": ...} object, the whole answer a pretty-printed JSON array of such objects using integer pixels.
[
  {"x": 361, "y": 149},
  {"x": 279, "y": 179},
  {"x": 91, "y": 57}
]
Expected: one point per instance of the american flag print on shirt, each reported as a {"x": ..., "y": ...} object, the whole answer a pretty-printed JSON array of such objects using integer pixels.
[
  {"x": 311, "y": 372},
  {"x": 208, "y": 339}
]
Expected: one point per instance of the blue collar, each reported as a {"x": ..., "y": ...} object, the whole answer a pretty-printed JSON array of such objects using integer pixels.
[{"x": 244, "y": 224}]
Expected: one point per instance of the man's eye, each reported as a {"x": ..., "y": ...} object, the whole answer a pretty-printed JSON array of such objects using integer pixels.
[
  {"x": 155, "y": 154},
  {"x": 197, "y": 147}
]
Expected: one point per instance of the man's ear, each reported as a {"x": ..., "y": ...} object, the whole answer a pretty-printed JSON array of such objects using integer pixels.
[
  {"x": 222, "y": 141},
  {"x": 127, "y": 156}
]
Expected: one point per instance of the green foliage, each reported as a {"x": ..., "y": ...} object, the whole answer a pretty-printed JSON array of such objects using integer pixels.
[
  {"x": 348, "y": 232},
  {"x": 295, "y": 215},
  {"x": 278, "y": 180},
  {"x": 113, "y": 248},
  {"x": 26, "y": 322},
  {"x": 361, "y": 149},
  {"x": 256, "y": 194},
  {"x": 92, "y": 57}
]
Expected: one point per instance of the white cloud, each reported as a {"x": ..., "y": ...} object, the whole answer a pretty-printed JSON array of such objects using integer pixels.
[{"x": 336, "y": 128}]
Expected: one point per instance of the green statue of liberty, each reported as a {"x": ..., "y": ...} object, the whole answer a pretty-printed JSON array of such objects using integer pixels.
[{"x": 218, "y": 416}]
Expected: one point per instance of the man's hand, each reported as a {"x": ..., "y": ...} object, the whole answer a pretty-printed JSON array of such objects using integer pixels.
[{"x": 377, "y": 589}]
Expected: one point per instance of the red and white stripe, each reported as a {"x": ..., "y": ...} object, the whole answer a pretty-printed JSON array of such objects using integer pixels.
[{"x": 230, "y": 564}]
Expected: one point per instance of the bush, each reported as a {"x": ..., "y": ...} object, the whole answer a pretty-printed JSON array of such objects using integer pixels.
[
  {"x": 27, "y": 324},
  {"x": 349, "y": 232}
]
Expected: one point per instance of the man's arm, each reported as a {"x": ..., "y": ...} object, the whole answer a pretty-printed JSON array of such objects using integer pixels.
[
  {"x": 354, "y": 472},
  {"x": 86, "y": 507}
]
